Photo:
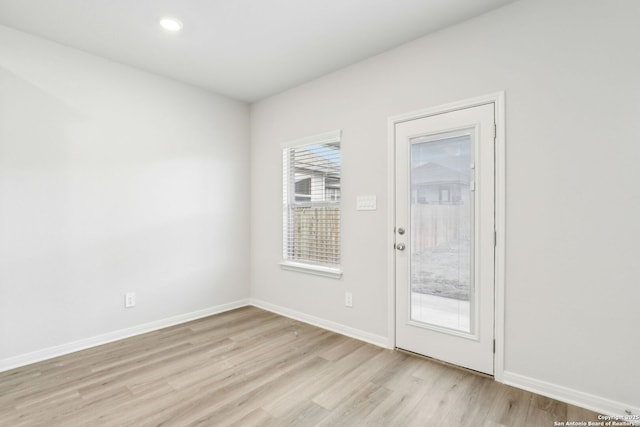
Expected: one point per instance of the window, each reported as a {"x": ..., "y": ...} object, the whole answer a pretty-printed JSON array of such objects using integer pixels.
[{"x": 311, "y": 204}]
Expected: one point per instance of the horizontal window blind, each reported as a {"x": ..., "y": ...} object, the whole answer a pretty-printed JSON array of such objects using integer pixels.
[{"x": 311, "y": 201}]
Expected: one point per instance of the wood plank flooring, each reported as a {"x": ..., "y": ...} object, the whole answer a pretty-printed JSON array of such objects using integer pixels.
[{"x": 250, "y": 367}]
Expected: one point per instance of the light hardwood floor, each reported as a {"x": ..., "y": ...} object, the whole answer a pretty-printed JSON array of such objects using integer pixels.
[{"x": 250, "y": 367}]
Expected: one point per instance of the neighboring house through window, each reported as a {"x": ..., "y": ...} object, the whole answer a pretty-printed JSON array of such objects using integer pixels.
[
  {"x": 434, "y": 184},
  {"x": 311, "y": 204}
]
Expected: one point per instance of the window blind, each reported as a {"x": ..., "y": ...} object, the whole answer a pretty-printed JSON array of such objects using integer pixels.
[{"x": 311, "y": 201}]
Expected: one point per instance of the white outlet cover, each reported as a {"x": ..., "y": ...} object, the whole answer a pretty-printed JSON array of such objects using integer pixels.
[
  {"x": 130, "y": 299},
  {"x": 366, "y": 203},
  {"x": 348, "y": 299}
]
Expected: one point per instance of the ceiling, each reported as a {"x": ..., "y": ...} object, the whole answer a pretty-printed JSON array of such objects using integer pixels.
[{"x": 244, "y": 49}]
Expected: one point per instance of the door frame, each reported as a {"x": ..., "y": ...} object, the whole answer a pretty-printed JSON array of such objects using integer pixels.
[{"x": 497, "y": 99}]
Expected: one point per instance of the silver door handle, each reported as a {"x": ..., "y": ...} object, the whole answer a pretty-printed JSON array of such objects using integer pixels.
[{"x": 400, "y": 246}]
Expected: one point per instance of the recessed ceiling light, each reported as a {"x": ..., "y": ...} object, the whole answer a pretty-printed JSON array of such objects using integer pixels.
[{"x": 171, "y": 24}]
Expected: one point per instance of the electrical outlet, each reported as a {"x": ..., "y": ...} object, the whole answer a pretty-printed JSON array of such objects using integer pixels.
[
  {"x": 129, "y": 299},
  {"x": 348, "y": 299}
]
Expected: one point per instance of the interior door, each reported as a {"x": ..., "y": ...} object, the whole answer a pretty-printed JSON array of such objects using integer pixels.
[{"x": 445, "y": 236}]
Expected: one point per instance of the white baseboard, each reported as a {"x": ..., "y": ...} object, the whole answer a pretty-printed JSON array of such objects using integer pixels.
[
  {"x": 379, "y": 340},
  {"x": 60, "y": 350},
  {"x": 575, "y": 397}
]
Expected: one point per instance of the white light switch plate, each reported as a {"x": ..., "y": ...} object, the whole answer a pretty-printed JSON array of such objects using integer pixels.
[{"x": 366, "y": 203}]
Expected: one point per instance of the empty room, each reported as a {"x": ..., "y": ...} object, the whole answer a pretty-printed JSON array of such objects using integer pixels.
[{"x": 315, "y": 213}]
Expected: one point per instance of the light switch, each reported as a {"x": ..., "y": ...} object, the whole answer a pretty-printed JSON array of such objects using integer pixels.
[{"x": 366, "y": 203}]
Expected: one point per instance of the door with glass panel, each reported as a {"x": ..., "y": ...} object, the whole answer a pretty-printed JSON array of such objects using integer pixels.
[{"x": 444, "y": 238}]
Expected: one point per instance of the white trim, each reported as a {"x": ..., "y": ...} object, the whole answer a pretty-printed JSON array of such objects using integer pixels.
[
  {"x": 498, "y": 99},
  {"x": 391, "y": 235},
  {"x": 568, "y": 395},
  {"x": 72, "y": 347},
  {"x": 318, "y": 270},
  {"x": 565, "y": 394},
  {"x": 321, "y": 138},
  {"x": 501, "y": 240},
  {"x": 358, "y": 334},
  {"x": 446, "y": 108}
]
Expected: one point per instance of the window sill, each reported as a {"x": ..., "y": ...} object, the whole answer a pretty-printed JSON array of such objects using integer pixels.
[{"x": 334, "y": 273}]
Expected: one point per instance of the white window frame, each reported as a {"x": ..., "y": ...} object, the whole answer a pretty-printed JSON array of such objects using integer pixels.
[{"x": 303, "y": 267}]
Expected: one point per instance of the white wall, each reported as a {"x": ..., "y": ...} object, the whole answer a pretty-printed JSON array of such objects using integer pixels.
[
  {"x": 570, "y": 71},
  {"x": 112, "y": 180}
]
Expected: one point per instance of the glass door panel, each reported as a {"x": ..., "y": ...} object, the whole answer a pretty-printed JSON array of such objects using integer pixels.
[{"x": 441, "y": 231}]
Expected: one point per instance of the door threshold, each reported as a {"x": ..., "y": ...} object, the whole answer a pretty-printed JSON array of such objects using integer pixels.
[{"x": 442, "y": 362}]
